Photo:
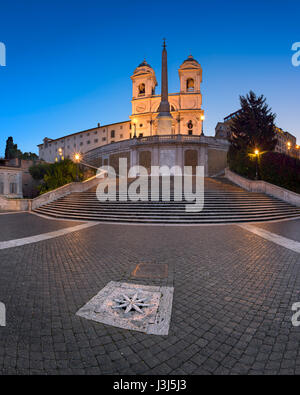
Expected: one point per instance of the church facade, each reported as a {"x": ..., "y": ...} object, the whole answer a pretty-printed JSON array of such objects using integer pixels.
[
  {"x": 185, "y": 106},
  {"x": 165, "y": 129}
]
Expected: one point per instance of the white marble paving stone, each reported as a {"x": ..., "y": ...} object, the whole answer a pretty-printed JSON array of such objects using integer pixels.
[{"x": 155, "y": 320}]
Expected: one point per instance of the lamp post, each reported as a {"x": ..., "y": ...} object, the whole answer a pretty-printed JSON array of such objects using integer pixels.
[
  {"x": 256, "y": 153},
  {"x": 77, "y": 158},
  {"x": 202, "y": 119}
]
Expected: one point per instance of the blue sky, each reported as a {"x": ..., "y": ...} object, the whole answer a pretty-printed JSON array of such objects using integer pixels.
[{"x": 69, "y": 62}]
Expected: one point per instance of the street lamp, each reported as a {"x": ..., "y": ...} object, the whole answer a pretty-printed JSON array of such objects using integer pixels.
[
  {"x": 202, "y": 119},
  {"x": 256, "y": 153},
  {"x": 77, "y": 159}
]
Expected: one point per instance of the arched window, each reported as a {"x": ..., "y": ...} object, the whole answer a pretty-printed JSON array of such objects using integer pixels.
[
  {"x": 190, "y": 85},
  {"x": 141, "y": 89}
]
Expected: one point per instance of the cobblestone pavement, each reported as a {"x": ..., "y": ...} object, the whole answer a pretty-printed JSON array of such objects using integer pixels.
[
  {"x": 16, "y": 226},
  {"x": 289, "y": 229},
  {"x": 231, "y": 310}
]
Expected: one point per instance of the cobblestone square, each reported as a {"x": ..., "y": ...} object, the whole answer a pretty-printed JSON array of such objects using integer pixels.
[{"x": 232, "y": 306}]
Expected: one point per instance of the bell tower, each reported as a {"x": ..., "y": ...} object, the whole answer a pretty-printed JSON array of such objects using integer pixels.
[
  {"x": 192, "y": 116},
  {"x": 143, "y": 81},
  {"x": 190, "y": 74}
]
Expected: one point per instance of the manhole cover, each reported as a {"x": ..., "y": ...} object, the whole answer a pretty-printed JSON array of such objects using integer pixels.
[
  {"x": 130, "y": 306},
  {"x": 150, "y": 270}
]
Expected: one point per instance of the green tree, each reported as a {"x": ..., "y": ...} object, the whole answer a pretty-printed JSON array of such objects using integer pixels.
[
  {"x": 29, "y": 156},
  {"x": 39, "y": 170},
  {"x": 11, "y": 149},
  {"x": 254, "y": 126}
]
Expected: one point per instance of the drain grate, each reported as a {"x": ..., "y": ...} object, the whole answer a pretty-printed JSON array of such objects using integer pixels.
[
  {"x": 150, "y": 270},
  {"x": 142, "y": 308}
]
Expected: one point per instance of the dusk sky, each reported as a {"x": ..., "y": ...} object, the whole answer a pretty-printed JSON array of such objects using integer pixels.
[{"x": 69, "y": 62}]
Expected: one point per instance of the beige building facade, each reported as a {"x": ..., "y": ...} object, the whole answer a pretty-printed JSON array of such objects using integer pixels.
[
  {"x": 11, "y": 182},
  {"x": 186, "y": 110}
]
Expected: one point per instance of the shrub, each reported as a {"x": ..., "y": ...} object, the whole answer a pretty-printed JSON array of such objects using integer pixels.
[
  {"x": 273, "y": 167},
  {"x": 59, "y": 174},
  {"x": 39, "y": 170},
  {"x": 241, "y": 163},
  {"x": 280, "y": 169}
]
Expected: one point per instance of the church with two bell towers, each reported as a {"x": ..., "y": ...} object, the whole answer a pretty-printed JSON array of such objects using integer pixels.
[
  {"x": 185, "y": 106},
  {"x": 163, "y": 129}
]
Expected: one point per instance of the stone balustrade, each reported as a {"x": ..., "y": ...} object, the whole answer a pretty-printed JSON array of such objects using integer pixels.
[{"x": 264, "y": 187}]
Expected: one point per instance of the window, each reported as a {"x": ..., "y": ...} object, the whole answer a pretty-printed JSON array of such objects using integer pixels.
[
  {"x": 1, "y": 188},
  {"x": 121, "y": 127},
  {"x": 13, "y": 187},
  {"x": 95, "y": 132},
  {"x": 81, "y": 136},
  {"x": 190, "y": 85},
  {"x": 141, "y": 125},
  {"x": 96, "y": 141},
  {"x": 190, "y": 125},
  {"x": 81, "y": 143},
  {"x": 103, "y": 138},
  {"x": 142, "y": 90},
  {"x": 112, "y": 141},
  {"x": 140, "y": 134},
  {"x": 88, "y": 134},
  {"x": 112, "y": 134},
  {"x": 88, "y": 142},
  {"x": 121, "y": 136},
  {"x": 190, "y": 132}
]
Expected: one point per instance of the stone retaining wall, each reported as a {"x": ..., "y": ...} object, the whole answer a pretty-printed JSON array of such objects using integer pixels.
[
  {"x": 264, "y": 187},
  {"x": 7, "y": 204}
]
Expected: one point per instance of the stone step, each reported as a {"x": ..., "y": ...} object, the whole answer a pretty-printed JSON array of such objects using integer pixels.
[
  {"x": 223, "y": 203},
  {"x": 179, "y": 220},
  {"x": 171, "y": 213},
  {"x": 152, "y": 206},
  {"x": 165, "y": 204}
]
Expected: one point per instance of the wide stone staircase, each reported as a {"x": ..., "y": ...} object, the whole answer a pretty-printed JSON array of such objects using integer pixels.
[{"x": 224, "y": 202}]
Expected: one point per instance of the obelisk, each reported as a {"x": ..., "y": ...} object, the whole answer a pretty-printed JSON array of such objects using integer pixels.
[{"x": 164, "y": 118}]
